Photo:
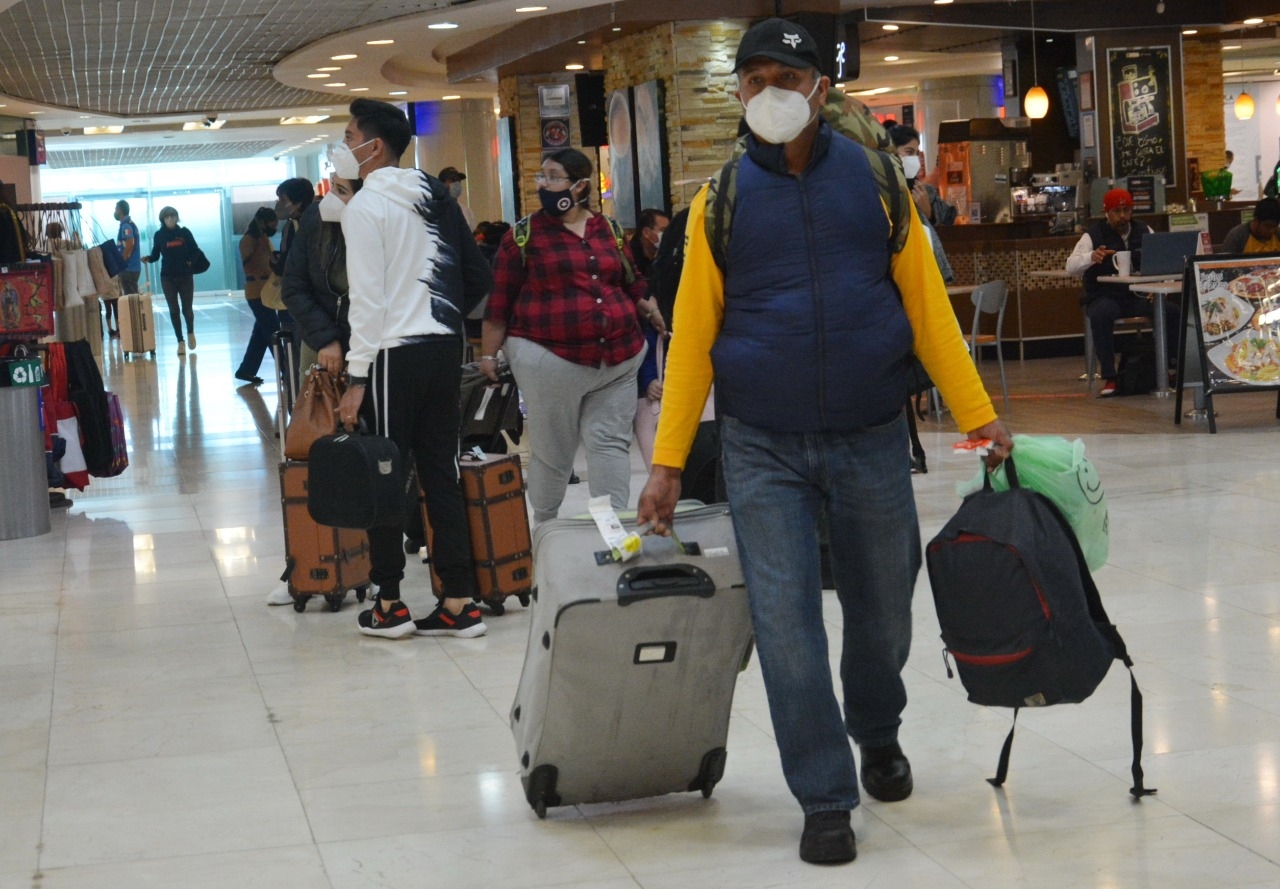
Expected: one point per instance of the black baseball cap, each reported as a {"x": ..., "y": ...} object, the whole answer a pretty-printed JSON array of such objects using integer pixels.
[
  {"x": 451, "y": 174},
  {"x": 780, "y": 40}
]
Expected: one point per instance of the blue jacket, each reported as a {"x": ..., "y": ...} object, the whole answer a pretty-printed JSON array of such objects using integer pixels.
[{"x": 814, "y": 337}]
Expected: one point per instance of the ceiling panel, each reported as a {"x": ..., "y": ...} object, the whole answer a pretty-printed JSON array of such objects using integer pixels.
[{"x": 157, "y": 154}]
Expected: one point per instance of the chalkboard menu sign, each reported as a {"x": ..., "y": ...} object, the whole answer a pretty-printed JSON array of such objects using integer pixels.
[
  {"x": 1142, "y": 129},
  {"x": 1143, "y": 189},
  {"x": 1231, "y": 340}
]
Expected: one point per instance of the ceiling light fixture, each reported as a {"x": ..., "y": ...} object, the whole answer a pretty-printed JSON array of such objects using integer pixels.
[
  {"x": 336, "y": 83},
  {"x": 449, "y": 98},
  {"x": 1160, "y": 8},
  {"x": 1190, "y": 32},
  {"x": 442, "y": 26},
  {"x": 531, "y": 9},
  {"x": 1253, "y": 21},
  {"x": 889, "y": 27},
  {"x": 387, "y": 41},
  {"x": 359, "y": 89},
  {"x": 891, "y": 58},
  {"x": 344, "y": 57},
  {"x": 398, "y": 93},
  {"x": 1244, "y": 105},
  {"x": 104, "y": 131},
  {"x": 330, "y": 68},
  {"x": 1036, "y": 102},
  {"x": 310, "y": 118},
  {"x": 320, "y": 76},
  {"x": 574, "y": 67}
]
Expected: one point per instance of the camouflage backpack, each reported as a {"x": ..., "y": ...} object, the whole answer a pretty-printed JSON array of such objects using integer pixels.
[{"x": 848, "y": 117}]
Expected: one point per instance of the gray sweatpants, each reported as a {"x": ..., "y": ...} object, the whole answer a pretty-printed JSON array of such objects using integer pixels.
[{"x": 571, "y": 404}]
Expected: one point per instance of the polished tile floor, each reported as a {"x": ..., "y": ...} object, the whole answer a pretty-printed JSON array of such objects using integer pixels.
[{"x": 160, "y": 726}]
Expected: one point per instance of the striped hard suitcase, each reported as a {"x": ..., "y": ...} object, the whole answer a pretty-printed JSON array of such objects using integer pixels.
[{"x": 630, "y": 668}]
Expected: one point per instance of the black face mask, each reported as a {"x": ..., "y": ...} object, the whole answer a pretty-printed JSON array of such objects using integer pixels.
[{"x": 556, "y": 203}]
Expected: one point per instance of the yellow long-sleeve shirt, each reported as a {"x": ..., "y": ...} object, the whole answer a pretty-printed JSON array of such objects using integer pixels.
[{"x": 699, "y": 314}]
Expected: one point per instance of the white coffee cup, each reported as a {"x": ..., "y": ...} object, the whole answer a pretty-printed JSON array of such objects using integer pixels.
[{"x": 1124, "y": 262}]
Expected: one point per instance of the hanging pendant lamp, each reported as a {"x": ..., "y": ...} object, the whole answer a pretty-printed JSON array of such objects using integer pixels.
[
  {"x": 1244, "y": 106},
  {"x": 1036, "y": 102}
]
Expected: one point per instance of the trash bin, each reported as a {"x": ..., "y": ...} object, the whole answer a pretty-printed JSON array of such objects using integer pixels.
[{"x": 24, "y": 480}]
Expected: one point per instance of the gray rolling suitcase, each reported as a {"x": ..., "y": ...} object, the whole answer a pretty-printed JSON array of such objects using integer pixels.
[{"x": 630, "y": 670}]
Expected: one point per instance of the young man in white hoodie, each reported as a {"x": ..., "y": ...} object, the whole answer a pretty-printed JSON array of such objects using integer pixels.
[{"x": 415, "y": 272}]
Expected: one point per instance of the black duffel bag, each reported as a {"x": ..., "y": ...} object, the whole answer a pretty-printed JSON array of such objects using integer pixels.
[{"x": 356, "y": 480}]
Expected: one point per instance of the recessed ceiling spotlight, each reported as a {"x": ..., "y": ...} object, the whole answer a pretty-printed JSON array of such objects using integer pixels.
[
  {"x": 891, "y": 58},
  {"x": 344, "y": 57},
  {"x": 890, "y": 27},
  {"x": 398, "y": 93},
  {"x": 574, "y": 67},
  {"x": 449, "y": 98},
  {"x": 531, "y": 9},
  {"x": 1253, "y": 21},
  {"x": 386, "y": 42},
  {"x": 442, "y": 26}
]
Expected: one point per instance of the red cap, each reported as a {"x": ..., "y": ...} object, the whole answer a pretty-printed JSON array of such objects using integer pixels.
[{"x": 1117, "y": 197}]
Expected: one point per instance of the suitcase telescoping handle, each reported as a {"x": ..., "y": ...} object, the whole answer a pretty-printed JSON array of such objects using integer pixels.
[{"x": 656, "y": 581}]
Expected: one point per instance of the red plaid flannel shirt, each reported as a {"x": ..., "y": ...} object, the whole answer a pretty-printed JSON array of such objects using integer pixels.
[{"x": 570, "y": 294}]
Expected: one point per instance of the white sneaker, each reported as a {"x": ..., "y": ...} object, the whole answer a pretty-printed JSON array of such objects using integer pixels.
[
  {"x": 182, "y": 348},
  {"x": 191, "y": 340},
  {"x": 280, "y": 596}
]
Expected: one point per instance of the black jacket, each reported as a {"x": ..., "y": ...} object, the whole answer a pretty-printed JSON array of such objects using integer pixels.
[
  {"x": 175, "y": 246},
  {"x": 314, "y": 281},
  {"x": 1103, "y": 235}
]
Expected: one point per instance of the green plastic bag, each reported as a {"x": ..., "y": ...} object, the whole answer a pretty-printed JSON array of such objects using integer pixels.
[{"x": 1059, "y": 470}]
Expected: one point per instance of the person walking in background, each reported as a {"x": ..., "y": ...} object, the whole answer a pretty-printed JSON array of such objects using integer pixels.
[
  {"x": 293, "y": 197},
  {"x": 646, "y": 240},
  {"x": 255, "y": 256},
  {"x": 453, "y": 179},
  {"x": 415, "y": 272},
  {"x": 565, "y": 307},
  {"x": 130, "y": 242},
  {"x": 172, "y": 245},
  {"x": 800, "y": 441}
]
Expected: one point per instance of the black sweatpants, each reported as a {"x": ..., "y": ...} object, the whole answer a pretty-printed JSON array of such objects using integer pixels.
[{"x": 412, "y": 398}]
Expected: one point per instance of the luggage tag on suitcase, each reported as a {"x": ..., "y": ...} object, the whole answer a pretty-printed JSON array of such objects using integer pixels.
[{"x": 624, "y": 545}]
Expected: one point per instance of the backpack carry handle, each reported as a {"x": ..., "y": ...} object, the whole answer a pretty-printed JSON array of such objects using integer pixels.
[{"x": 1010, "y": 473}]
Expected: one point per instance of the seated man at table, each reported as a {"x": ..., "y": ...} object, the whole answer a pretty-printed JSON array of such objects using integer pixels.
[
  {"x": 1105, "y": 302},
  {"x": 1258, "y": 235}
]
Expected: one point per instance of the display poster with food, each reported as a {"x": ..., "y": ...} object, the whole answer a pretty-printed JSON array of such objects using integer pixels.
[{"x": 1238, "y": 321}]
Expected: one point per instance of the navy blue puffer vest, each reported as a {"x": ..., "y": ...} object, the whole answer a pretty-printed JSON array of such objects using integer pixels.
[{"x": 815, "y": 338}]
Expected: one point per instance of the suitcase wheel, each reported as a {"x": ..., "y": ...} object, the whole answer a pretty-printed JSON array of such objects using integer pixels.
[
  {"x": 300, "y": 603},
  {"x": 540, "y": 808},
  {"x": 496, "y": 606},
  {"x": 362, "y": 592},
  {"x": 335, "y": 601},
  {"x": 524, "y": 599}
]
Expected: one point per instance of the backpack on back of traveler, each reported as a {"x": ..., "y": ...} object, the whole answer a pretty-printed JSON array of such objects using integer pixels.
[{"x": 1020, "y": 613}]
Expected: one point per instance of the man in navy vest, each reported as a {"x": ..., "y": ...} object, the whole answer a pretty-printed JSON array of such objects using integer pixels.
[{"x": 809, "y": 343}]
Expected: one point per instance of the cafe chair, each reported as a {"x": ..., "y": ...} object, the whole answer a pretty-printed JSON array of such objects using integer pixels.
[
  {"x": 990, "y": 299},
  {"x": 1137, "y": 324}
]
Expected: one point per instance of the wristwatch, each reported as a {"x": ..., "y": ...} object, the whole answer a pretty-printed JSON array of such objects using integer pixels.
[{"x": 357, "y": 381}]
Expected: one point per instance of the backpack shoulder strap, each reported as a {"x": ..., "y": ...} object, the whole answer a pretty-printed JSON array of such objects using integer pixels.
[
  {"x": 892, "y": 187},
  {"x": 718, "y": 221},
  {"x": 620, "y": 238},
  {"x": 520, "y": 233}
]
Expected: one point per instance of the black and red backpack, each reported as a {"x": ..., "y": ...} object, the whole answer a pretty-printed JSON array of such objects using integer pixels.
[{"x": 1020, "y": 614}]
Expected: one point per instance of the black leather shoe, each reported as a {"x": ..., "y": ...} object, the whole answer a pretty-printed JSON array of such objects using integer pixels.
[
  {"x": 886, "y": 774},
  {"x": 828, "y": 838}
]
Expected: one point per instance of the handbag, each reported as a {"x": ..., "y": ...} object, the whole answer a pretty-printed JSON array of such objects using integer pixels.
[
  {"x": 272, "y": 294},
  {"x": 357, "y": 480},
  {"x": 112, "y": 258},
  {"x": 315, "y": 413},
  {"x": 198, "y": 262}
]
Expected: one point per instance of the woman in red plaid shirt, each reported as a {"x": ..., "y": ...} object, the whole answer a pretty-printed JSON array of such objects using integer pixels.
[{"x": 566, "y": 310}]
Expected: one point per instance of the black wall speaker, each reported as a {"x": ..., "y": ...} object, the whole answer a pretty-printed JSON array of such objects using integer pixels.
[{"x": 591, "y": 109}]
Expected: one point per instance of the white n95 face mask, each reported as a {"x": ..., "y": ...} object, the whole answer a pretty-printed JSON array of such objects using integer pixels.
[
  {"x": 911, "y": 166},
  {"x": 345, "y": 165},
  {"x": 777, "y": 115},
  {"x": 331, "y": 207}
]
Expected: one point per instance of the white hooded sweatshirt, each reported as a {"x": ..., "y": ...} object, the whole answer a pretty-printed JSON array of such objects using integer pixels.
[{"x": 413, "y": 266}]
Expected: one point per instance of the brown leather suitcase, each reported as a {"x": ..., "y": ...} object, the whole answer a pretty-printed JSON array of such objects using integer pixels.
[
  {"x": 321, "y": 560},
  {"x": 501, "y": 545}
]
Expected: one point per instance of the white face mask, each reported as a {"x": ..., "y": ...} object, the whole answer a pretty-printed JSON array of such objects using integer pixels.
[
  {"x": 455, "y": 189},
  {"x": 331, "y": 207},
  {"x": 345, "y": 165},
  {"x": 911, "y": 166},
  {"x": 777, "y": 115}
]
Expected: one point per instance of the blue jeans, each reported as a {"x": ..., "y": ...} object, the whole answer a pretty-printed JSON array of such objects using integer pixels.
[
  {"x": 266, "y": 321},
  {"x": 779, "y": 486}
]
